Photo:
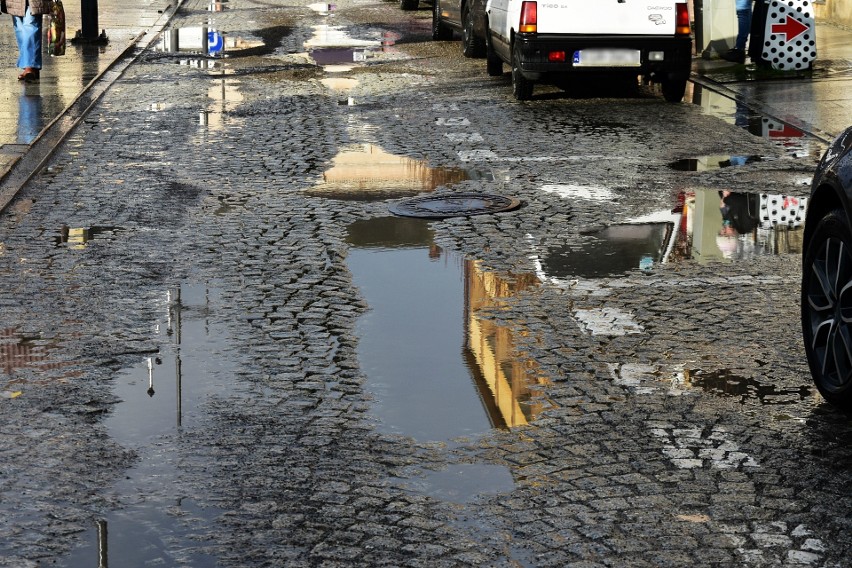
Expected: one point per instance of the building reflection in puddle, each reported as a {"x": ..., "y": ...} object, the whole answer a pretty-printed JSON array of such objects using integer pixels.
[
  {"x": 21, "y": 351},
  {"x": 367, "y": 172},
  {"x": 704, "y": 225},
  {"x": 505, "y": 379},
  {"x": 432, "y": 360},
  {"x": 79, "y": 237}
]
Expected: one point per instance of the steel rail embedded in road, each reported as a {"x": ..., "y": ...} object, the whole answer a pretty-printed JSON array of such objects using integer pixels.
[{"x": 42, "y": 148}]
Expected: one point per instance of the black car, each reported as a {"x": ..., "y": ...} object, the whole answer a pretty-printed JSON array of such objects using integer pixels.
[
  {"x": 466, "y": 16},
  {"x": 827, "y": 275}
]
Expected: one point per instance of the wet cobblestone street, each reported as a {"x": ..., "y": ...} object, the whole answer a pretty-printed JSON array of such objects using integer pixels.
[{"x": 185, "y": 290}]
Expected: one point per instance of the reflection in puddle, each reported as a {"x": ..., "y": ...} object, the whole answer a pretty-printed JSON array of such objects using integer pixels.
[
  {"x": 78, "y": 237},
  {"x": 461, "y": 483},
  {"x": 435, "y": 369},
  {"x": 160, "y": 396},
  {"x": 705, "y": 163},
  {"x": 367, "y": 172},
  {"x": 704, "y": 225},
  {"x": 611, "y": 251},
  {"x": 740, "y": 226},
  {"x": 225, "y": 96},
  {"x": 726, "y": 383},
  {"x": 204, "y": 39},
  {"x": 18, "y": 351},
  {"x": 504, "y": 376},
  {"x": 794, "y": 142}
]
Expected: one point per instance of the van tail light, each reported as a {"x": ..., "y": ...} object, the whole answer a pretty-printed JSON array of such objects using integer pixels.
[
  {"x": 529, "y": 17},
  {"x": 682, "y": 26}
]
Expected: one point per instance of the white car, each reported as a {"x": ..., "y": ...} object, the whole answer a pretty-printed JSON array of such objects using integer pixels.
[{"x": 537, "y": 39}]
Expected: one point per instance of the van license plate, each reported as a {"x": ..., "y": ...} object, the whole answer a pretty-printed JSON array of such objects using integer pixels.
[{"x": 607, "y": 58}]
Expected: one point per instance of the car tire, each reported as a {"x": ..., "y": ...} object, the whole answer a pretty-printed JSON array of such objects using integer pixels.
[
  {"x": 493, "y": 63},
  {"x": 826, "y": 307},
  {"x": 522, "y": 87},
  {"x": 440, "y": 30},
  {"x": 472, "y": 46},
  {"x": 409, "y": 5},
  {"x": 674, "y": 89}
]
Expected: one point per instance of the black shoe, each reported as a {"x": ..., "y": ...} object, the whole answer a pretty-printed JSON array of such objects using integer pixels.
[{"x": 734, "y": 56}]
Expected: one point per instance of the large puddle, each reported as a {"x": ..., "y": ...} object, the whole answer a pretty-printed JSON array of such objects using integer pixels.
[
  {"x": 160, "y": 396},
  {"x": 703, "y": 225},
  {"x": 438, "y": 368}
]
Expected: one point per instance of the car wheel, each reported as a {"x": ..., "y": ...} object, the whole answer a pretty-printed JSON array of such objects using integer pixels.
[
  {"x": 674, "y": 89},
  {"x": 472, "y": 46},
  {"x": 493, "y": 63},
  {"x": 409, "y": 5},
  {"x": 522, "y": 87},
  {"x": 826, "y": 306},
  {"x": 440, "y": 31}
]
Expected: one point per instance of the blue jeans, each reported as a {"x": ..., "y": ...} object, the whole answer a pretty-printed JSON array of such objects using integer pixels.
[
  {"x": 28, "y": 34},
  {"x": 744, "y": 23}
]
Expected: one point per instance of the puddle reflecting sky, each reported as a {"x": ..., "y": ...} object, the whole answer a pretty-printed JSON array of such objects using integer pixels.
[
  {"x": 437, "y": 372},
  {"x": 704, "y": 225},
  {"x": 160, "y": 395}
]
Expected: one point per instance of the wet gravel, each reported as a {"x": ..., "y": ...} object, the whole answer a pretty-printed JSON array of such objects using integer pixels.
[{"x": 282, "y": 462}]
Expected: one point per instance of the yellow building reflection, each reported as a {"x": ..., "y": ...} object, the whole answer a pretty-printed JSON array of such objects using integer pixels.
[
  {"x": 364, "y": 170},
  {"x": 504, "y": 377}
]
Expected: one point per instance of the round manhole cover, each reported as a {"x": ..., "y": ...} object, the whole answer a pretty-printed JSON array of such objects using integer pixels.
[{"x": 454, "y": 205}]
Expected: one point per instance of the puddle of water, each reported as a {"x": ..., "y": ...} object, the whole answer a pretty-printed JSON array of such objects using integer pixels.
[
  {"x": 160, "y": 395},
  {"x": 322, "y": 8},
  {"x": 19, "y": 351},
  {"x": 706, "y": 163},
  {"x": 78, "y": 237},
  {"x": 704, "y": 225},
  {"x": 366, "y": 172},
  {"x": 611, "y": 251},
  {"x": 428, "y": 359},
  {"x": 461, "y": 483},
  {"x": 740, "y": 226},
  {"x": 794, "y": 142},
  {"x": 225, "y": 96},
  {"x": 746, "y": 389}
]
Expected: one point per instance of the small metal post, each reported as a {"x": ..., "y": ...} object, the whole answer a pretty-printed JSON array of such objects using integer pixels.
[{"x": 89, "y": 16}]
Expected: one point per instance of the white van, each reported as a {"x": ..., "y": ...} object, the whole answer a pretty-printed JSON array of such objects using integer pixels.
[{"x": 538, "y": 38}]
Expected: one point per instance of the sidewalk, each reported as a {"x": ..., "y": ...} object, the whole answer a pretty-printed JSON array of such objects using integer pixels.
[
  {"x": 27, "y": 109},
  {"x": 818, "y": 102}
]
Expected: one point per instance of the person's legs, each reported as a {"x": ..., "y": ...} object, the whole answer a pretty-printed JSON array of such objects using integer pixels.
[
  {"x": 28, "y": 35},
  {"x": 744, "y": 23}
]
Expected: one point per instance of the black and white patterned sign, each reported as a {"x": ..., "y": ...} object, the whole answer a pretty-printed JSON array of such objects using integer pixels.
[{"x": 790, "y": 36}]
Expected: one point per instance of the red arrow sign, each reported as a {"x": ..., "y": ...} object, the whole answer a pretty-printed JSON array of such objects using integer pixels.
[
  {"x": 792, "y": 28},
  {"x": 786, "y": 131}
]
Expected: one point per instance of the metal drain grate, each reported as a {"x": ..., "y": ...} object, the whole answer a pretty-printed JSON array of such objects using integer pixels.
[{"x": 453, "y": 205}]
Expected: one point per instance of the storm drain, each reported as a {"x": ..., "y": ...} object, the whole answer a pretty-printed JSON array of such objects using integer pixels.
[{"x": 453, "y": 205}]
